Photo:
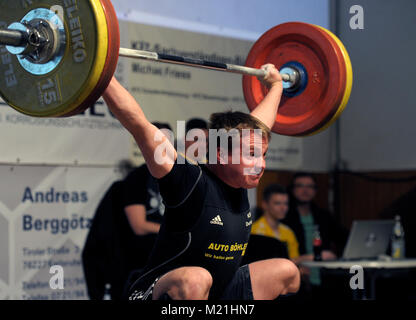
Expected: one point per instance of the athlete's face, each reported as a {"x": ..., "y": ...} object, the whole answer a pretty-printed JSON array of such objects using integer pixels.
[
  {"x": 249, "y": 170},
  {"x": 277, "y": 206}
]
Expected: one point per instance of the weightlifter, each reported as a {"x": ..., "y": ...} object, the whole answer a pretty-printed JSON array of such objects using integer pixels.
[{"x": 207, "y": 219}]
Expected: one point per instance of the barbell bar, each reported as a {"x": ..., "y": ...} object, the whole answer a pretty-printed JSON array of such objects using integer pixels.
[{"x": 17, "y": 38}]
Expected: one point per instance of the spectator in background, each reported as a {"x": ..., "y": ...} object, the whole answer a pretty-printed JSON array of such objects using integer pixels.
[
  {"x": 143, "y": 206},
  {"x": 303, "y": 217},
  {"x": 102, "y": 260},
  {"x": 123, "y": 231},
  {"x": 143, "y": 203},
  {"x": 275, "y": 205}
]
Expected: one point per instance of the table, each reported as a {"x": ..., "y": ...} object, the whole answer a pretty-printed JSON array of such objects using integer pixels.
[{"x": 375, "y": 267}]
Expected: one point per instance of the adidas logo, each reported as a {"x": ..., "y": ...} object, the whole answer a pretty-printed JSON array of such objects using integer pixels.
[{"x": 217, "y": 220}]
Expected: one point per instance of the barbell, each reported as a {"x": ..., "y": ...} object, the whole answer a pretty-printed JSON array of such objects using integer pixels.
[{"x": 57, "y": 57}]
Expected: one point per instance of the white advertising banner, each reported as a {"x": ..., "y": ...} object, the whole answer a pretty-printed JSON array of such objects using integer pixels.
[
  {"x": 45, "y": 215},
  {"x": 166, "y": 93},
  {"x": 92, "y": 138}
]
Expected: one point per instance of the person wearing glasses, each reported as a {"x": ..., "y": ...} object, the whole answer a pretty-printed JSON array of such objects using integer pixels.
[{"x": 305, "y": 217}]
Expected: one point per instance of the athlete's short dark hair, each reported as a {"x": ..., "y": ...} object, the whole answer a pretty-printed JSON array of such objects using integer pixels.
[
  {"x": 237, "y": 120},
  {"x": 230, "y": 120}
]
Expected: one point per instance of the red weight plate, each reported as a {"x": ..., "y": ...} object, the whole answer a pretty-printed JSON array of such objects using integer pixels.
[
  {"x": 111, "y": 61},
  {"x": 325, "y": 67},
  {"x": 343, "y": 83}
]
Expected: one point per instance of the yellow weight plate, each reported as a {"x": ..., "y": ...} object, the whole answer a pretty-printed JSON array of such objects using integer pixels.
[
  {"x": 42, "y": 91},
  {"x": 100, "y": 56},
  {"x": 348, "y": 87}
]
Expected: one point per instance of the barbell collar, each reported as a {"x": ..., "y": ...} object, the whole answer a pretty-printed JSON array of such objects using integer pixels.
[{"x": 23, "y": 39}]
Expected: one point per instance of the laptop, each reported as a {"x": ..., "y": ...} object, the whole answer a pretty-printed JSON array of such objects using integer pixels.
[{"x": 368, "y": 239}]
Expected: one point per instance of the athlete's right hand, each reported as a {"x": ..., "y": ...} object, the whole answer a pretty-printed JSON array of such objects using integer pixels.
[{"x": 272, "y": 77}]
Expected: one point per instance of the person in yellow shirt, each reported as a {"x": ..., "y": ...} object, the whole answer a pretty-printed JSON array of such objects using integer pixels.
[{"x": 275, "y": 205}]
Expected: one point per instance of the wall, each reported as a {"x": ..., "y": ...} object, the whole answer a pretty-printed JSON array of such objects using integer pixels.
[
  {"x": 249, "y": 18},
  {"x": 377, "y": 128},
  {"x": 366, "y": 197}
]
